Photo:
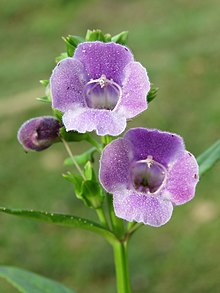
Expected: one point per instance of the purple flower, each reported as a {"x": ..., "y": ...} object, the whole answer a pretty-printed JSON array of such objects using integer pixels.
[
  {"x": 148, "y": 171},
  {"x": 39, "y": 133},
  {"x": 99, "y": 88}
]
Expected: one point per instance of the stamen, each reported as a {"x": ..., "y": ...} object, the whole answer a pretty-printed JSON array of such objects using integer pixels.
[
  {"x": 102, "y": 93},
  {"x": 148, "y": 176}
]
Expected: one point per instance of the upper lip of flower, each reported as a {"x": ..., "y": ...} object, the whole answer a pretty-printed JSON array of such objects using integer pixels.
[{"x": 101, "y": 77}]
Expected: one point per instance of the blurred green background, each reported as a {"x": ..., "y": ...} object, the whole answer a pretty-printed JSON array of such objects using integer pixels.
[{"x": 179, "y": 43}]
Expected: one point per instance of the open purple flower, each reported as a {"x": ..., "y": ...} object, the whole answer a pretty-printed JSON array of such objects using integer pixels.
[
  {"x": 99, "y": 88},
  {"x": 148, "y": 171}
]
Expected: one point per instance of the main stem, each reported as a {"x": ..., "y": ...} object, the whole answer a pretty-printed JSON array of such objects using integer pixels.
[{"x": 121, "y": 267}]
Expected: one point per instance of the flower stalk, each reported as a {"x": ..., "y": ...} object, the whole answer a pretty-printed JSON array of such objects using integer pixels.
[{"x": 121, "y": 266}]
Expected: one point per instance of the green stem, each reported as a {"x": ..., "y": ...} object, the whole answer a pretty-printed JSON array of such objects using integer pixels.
[
  {"x": 94, "y": 142},
  {"x": 73, "y": 159},
  {"x": 133, "y": 227},
  {"x": 121, "y": 267},
  {"x": 102, "y": 218},
  {"x": 117, "y": 224}
]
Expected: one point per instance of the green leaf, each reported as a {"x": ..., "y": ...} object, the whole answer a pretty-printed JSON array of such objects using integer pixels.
[
  {"x": 83, "y": 158},
  {"x": 45, "y": 82},
  {"x": 95, "y": 35},
  {"x": 61, "y": 57},
  {"x": 71, "y": 43},
  {"x": 207, "y": 159},
  {"x": 58, "y": 114},
  {"x": 77, "y": 180},
  {"x": 121, "y": 38},
  {"x": 63, "y": 220},
  {"x": 152, "y": 93},
  {"x": 108, "y": 37},
  {"x": 89, "y": 171},
  {"x": 45, "y": 99},
  {"x": 92, "y": 193},
  {"x": 28, "y": 282}
]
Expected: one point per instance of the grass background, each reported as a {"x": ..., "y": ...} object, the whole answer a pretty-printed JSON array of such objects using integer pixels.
[{"x": 179, "y": 43}]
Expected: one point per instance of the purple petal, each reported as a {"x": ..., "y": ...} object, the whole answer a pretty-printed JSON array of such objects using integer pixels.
[
  {"x": 164, "y": 147},
  {"x": 100, "y": 58},
  {"x": 135, "y": 87},
  {"x": 182, "y": 179},
  {"x": 67, "y": 83},
  {"x": 114, "y": 165},
  {"x": 150, "y": 210},
  {"x": 105, "y": 122}
]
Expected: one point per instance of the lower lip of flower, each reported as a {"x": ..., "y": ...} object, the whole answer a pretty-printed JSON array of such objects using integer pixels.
[
  {"x": 102, "y": 93},
  {"x": 148, "y": 176}
]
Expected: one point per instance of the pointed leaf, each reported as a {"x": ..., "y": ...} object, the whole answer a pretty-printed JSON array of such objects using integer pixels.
[
  {"x": 45, "y": 82},
  {"x": 61, "y": 57},
  {"x": 121, "y": 38},
  {"x": 92, "y": 192},
  {"x": 89, "y": 171},
  {"x": 77, "y": 180},
  {"x": 95, "y": 35},
  {"x": 152, "y": 93},
  {"x": 28, "y": 282},
  {"x": 44, "y": 99},
  {"x": 71, "y": 43},
  {"x": 207, "y": 159},
  {"x": 62, "y": 219}
]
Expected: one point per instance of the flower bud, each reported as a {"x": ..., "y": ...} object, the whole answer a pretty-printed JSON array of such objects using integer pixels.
[{"x": 39, "y": 133}]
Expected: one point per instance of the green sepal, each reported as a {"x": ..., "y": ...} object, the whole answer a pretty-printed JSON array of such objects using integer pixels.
[
  {"x": 83, "y": 158},
  {"x": 92, "y": 193},
  {"x": 64, "y": 220},
  {"x": 108, "y": 38},
  {"x": 121, "y": 38},
  {"x": 45, "y": 99},
  {"x": 72, "y": 135},
  {"x": 27, "y": 282},
  {"x": 89, "y": 171},
  {"x": 77, "y": 181},
  {"x": 71, "y": 43},
  {"x": 89, "y": 190},
  {"x": 95, "y": 35},
  {"x": 45, "y": 82},
  {"x": 208, "y": 159},
  {"x": 58, "y": 114},
  {"x": 61, "y": 57},
  {"x": 152, "y": 93}
]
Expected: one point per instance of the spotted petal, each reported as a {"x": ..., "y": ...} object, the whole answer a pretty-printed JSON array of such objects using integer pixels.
[
  {"x": 67, "y": 83},
  {"x": 101, "y": 58},
  {"x": 182, "y": 179},
  {"x": 104, "y": 122},
  {"x": 114, "y": 167},
  {"x": 135, "y": 87},
  {"x": 164, "y": 147},
  {"x": 133, "y": 206}
]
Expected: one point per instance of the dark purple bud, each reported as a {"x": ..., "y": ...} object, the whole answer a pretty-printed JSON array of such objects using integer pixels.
[{"x": 39, "y": 133}]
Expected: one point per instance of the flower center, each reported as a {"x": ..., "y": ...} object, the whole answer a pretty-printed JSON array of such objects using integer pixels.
[
  {"x": 148, "y": 175},
  {"x": 102, "y": 93}
]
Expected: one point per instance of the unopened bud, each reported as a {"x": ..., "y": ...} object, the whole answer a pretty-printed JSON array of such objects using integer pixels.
[{"x": 39, "y": 133}]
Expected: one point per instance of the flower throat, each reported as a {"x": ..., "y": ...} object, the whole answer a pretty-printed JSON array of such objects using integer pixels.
[{"x": 102, "y": 93}]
